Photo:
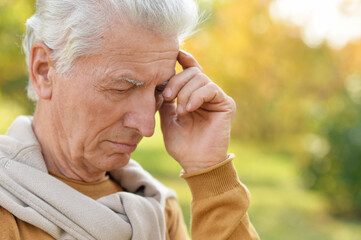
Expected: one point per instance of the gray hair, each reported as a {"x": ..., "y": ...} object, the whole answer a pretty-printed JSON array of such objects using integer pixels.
[{"x": 73, "y": 28}]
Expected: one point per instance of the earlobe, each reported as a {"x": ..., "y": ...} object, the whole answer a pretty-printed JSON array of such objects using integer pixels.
[{"x": 39, "y": 70}]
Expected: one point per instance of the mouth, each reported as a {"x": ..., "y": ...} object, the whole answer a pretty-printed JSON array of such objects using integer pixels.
[{"x": 124, "y": 147}]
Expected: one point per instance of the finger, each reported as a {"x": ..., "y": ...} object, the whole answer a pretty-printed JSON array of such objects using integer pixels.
[
  {"x": 186, "y": 60},
  {"x": 177, "y": 82},
  {"x": 209, "y": 93},
  {"x": 167, "y": 113},
  {"x": 158, "y": 101},
  {"x": 184, "y": 94}
]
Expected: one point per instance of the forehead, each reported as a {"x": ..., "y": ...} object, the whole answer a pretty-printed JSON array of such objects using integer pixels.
[
  {"x": 133, "y": 52},
  {"x": 128, "y": 43}
]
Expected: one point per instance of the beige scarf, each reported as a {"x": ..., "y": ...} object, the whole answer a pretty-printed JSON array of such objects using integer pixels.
[{"x": 31, "y": 194}]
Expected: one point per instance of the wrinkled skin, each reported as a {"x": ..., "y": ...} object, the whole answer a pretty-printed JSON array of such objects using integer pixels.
[{"x": 90, "y": 120}]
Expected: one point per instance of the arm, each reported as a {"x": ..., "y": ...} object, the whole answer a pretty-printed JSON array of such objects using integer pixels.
[
  {"x": 219, "y": 207},
  {"x": 220, "y": 203},
  {"x": 176, "y": 228},
  {"x": 196, "y": 133}
]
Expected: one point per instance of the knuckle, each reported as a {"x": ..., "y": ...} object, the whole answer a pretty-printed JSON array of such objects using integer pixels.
[
  {"x": 195, "y": 70},
  {"x": 233, "y": 104},
  {"x": 203, "y": 78},
  {"x": 213, "y": 86},
  {"x": 193, "y": 97},
  {"x": 176, "y": 83}
]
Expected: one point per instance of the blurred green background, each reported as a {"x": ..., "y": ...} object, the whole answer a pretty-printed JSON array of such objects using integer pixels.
[{"x": 297, "y": 132}]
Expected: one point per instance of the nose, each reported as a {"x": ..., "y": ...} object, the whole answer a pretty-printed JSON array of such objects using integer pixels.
[{"x": 141, "y": 114}]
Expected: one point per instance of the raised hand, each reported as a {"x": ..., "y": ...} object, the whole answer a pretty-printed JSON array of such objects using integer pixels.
[{"x": 197, "y": 128}]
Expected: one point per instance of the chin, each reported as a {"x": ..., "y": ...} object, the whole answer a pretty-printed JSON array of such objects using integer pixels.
[{"x": 115, "y": 161}]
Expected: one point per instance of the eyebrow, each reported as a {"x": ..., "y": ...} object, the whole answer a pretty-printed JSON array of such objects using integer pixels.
[
  {"x": 139, "y": 83},
  {"x": 132, "y": 81},
  {"x": 164, "y": 83}
]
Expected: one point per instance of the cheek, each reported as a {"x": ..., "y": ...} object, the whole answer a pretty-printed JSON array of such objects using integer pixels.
[
  {"x": 85, "y": 111},
  {"x": 97, "y": 110},
  {"x": 102, "y": 113}
]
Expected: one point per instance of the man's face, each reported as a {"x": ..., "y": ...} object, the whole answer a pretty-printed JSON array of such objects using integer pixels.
[{"x": 107, "y": 104}]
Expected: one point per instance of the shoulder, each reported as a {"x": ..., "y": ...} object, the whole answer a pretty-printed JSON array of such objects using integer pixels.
[
  {"x": 14, "y": 228},
  {"x": 9, "y": 228},
  {"x": 176, "y": 228}
]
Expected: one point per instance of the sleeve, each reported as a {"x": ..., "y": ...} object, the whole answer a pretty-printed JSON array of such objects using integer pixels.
[
  {"x": 176, "y": 228},
  {"x": 220, "y": 203}
]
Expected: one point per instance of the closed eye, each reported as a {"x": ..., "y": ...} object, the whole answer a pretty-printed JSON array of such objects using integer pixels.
[
  {"x": 124, "y": 84},
  {"x": 160, "y": 88},
  {"x": 124, "y": 90}
]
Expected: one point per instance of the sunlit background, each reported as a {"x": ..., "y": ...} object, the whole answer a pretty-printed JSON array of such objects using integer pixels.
[{"x": 294, "y": 69}]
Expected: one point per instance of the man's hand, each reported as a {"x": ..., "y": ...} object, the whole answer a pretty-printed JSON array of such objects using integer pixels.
[{"x": 197, "y": 129}]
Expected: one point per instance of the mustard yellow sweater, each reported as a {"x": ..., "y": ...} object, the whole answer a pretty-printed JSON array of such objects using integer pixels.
[{"x": 219, "y": 207}]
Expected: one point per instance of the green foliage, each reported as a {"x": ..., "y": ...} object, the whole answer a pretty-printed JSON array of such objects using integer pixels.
[
  {"x": 284, "y": 90},
  {"x": 13, "y": 72},
  {"x": 265, "y": 66},
  {"x": 336, "y": 171},
  {"x": 9, "y": 110},
  {"x": 289, "y": 96},
  {"x": 281, "y": 209}
]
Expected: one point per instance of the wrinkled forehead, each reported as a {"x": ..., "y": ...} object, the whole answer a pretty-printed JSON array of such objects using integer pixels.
[
  {"x": 131, "y": 51},
  {"x": 133, "y": 41}
]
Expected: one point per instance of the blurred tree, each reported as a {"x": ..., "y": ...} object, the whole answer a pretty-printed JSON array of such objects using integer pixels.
[
  {"x": 333, "y": 164},
  {"x": 273, "y": 76},
  {"x": 13, "y": 72},
  {"x": 287, "y": 94}
]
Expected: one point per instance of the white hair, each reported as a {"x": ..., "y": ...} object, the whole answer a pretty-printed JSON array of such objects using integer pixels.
[{"x": 74, "y": 28}]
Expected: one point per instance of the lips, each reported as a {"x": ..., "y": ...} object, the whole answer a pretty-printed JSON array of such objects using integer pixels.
[{"x": 124, "y": 147}]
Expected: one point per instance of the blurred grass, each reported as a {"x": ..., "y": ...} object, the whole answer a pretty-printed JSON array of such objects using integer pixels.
[
  {"x": 281, "y": 208},
  {"x": 282, "y": 89}
]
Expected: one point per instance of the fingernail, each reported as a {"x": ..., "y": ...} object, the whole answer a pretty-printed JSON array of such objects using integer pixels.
[
  {"x": 180, "y": 109},
  {"x": 167, "y": 92},
  {"x": 184, "y": 52},
  {"x": 189, "y": 106}
]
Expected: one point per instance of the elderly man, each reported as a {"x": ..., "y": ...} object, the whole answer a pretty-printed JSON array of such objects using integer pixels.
[{"x": 99, "y": 71}]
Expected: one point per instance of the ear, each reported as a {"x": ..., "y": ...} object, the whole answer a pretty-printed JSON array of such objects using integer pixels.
[{"x": 39, "y": 70}]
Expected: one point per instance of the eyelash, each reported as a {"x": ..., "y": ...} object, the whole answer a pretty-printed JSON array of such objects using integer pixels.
[
  {"x": 121, "y": 90},
  {"x": 158, "y": 89}
]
